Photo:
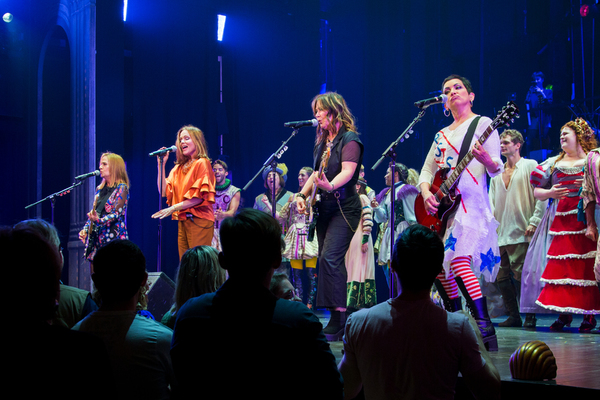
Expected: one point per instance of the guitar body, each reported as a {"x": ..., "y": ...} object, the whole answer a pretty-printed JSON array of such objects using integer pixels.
[
  {"x": 448, "y": 204},
  {"x": 92, "y": 238},
  {"x": 312, "y": 199},
  {"x": 444, "y": 182}
]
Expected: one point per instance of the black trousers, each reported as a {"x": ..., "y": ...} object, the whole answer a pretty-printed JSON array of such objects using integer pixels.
[{"x": 335, "y": 229}]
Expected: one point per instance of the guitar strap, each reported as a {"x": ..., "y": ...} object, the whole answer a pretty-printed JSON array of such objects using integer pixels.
[{"x": 466, "y": 144}]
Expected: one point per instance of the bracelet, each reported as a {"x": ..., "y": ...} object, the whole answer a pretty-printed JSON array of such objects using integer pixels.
[
  {"x": 301, "y": 195},
  {"x": 332, "y": 187}
]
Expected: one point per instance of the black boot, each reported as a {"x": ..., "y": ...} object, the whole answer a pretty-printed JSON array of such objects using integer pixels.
[
  {"x": 479, "y": 311},
  {"x": 450, "y": 305},
  {"x": 335, "y": 328},
  {"x": 509, "y": 295}
]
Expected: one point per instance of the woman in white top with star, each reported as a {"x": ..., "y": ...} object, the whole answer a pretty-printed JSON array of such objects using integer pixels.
[{"x": 471, "y": 242}]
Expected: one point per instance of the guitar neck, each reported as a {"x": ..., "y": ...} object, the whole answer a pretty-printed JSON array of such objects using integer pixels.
[{"x": 461, "y": 166}]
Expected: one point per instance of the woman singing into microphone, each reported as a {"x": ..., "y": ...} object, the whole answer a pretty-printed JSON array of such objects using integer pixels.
[
  {"x": 189, "y": 189},
  {"x": 107, "y": 219}
]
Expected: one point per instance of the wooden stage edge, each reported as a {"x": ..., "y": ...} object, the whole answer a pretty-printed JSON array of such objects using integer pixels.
[{"x": 577, "y": 358}]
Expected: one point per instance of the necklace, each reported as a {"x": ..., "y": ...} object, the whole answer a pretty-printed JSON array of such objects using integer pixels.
[{"x": 186, "y": 167}]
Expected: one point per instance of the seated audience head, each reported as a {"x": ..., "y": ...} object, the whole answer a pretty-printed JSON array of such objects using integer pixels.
[
  {"x": 417, "y": 258},
  {"x": 31, "y": 260},
  {"x": 46, "y": 230},
  {"x": 282, "y": 288},
  {"x": 199, "y": 273},
  {"x": 251, "y": 244},
  {"x": 119, "y": 271}
]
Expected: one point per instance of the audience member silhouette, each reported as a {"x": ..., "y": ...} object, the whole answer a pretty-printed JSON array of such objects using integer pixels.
[
  {"x": 138, "y": 346},
  {"x": 43, "y": 359},
  {"x": 409, "y": 348},
  {"x": 231, "y": 344},
  {"x": 74, "y": 303},
  {"x": 199, "y": 272}
]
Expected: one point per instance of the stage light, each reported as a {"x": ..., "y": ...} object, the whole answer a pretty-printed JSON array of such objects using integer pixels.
[
  {"x": 125, "y": 10},
  {"x": 7, "y": 17},
  {"x": 220, "y": 27},
  {"x": 587, "y": 10}
]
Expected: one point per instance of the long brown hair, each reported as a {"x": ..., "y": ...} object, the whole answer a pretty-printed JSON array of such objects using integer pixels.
[
  {"x": 197, "y": 138},
  {"x": 337, "y": 111}
]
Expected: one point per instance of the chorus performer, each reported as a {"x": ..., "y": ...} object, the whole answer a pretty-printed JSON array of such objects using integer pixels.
[
  {"x": 108, "y": 218},
  {"x": 339, "y": 208},
  {"x": 470, "y": 240},
  {"x": 569, "y": 285},
  {"x": 300, "y": 247},
  {"x": 189, "y": 189}
]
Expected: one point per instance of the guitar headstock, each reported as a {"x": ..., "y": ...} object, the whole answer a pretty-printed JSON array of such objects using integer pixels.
[{"x": 508, "y": 114}]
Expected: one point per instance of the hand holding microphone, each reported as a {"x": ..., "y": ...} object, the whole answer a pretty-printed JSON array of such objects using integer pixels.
[{"x": 163, "y": 150}]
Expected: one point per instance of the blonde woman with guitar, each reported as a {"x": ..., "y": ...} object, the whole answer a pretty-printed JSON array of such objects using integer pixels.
[
  {"x": 107, "y": 219},
  {"x": 339, "y": 207},
  {"x": 467, "y": 225}
]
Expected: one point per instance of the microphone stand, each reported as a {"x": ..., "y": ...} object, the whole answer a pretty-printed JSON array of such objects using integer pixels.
[
  {"x": 391, "y": 153},
  {"x": 272, "y": 163},
  {"x": 160, "y": 196},
  {"x": 53, "y": 197}
]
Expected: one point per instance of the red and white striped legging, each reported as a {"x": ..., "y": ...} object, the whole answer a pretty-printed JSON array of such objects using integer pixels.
[{"x": 460, "y": 267}]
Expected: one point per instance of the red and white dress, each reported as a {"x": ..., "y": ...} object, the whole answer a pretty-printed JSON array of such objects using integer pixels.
[{"x": 570, "y": 286}]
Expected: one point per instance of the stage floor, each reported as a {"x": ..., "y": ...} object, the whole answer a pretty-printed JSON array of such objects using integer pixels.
[{"x": 577, "y": 355}]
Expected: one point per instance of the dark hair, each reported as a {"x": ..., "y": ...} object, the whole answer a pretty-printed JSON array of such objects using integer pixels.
[
  {"x": 418, "y": 257},
  {"x": 464, "y": 80},
  {"x": 119, "y": 269},
  {"x": 222, "y": 164},
  {"x": 251, "y": 241},
  {"x": 538, "y": 74},
  {"x": 30, "y": 261},
  {"x": 514, "y": 135},
  {"x": 401, "y": 170}
]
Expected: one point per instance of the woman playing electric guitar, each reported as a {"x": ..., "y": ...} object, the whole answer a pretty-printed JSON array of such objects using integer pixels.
[{"x": 470, "y": 237}]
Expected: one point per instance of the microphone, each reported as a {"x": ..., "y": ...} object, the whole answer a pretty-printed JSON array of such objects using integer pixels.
[
  {"x": 85, "y": 176},
  {"x": 442, "y": 98},
  {"x": 300, "y": 124},
  {"x": 162, "y": 151}
]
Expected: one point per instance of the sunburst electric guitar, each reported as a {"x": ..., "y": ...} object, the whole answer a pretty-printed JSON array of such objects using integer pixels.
[
  {"x": 310, "y": 202},
  {"x": 444, "y": 185}
]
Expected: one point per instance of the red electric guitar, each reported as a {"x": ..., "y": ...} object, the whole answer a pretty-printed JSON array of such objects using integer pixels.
[{"x": 443, "y": 186}]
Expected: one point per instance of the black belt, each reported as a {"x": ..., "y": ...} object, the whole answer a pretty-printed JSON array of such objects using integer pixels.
[{"x": 339, "y": 194}]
